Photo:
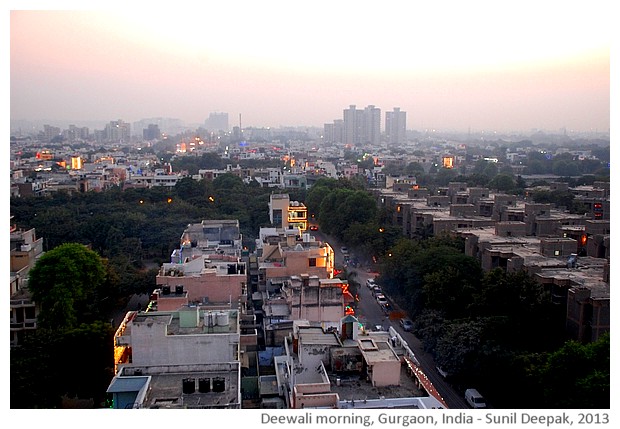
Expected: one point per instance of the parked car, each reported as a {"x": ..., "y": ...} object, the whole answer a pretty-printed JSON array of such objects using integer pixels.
[
  {"x": 406, "y": 324},
  {"x": 475, "y": 399},
  {"x": 376, "y": 290},
  {"x": 344, "y": 250},
  {"x": 381, "y": 299},
  {"x": 370, "y": 283}
]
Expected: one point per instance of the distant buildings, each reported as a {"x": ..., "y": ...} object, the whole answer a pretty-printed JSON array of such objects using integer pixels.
[
  {"x": 363, "y": 127},
  {"x": 151, "y": 132},
  {"x": 217, "y": 121},
  {"x": 396, "y": 126}
]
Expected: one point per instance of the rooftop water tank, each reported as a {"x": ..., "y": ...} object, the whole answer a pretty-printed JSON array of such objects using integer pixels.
[
  {"x": 189, "y": 385},
  {"x": 204, "y": 385},
  {"x": 222, "y": 318},
  {"x": 219, "y": 384}
]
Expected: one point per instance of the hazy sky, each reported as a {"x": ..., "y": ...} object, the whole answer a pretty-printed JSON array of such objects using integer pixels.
[{"x": 484, "y": 65}]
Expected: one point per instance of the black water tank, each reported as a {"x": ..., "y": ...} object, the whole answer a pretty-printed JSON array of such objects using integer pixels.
[
  {"x": 189, "y": 385},
  {"x": 204, "y": 385},
  {"x": 218, "y": 384},
  {"x": 178, "y": 289},
  {"x": 166, "y": 290}
]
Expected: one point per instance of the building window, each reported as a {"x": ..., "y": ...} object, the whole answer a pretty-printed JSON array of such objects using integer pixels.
[
  {"x": 277, "y": 218},
  {"x": 556, "y": 252},
  {"x": 312, "y": 262}
]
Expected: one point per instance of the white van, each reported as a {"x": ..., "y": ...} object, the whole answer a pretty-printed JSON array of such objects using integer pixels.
[{"x": 475, "y": 399}]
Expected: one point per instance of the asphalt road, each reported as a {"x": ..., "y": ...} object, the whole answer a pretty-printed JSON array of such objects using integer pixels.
[{"x": 370, "y": 313}]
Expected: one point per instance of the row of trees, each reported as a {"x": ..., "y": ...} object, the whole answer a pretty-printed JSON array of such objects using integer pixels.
[
  {"x": 346, "y": 211},
  {"x": 494, "y": 329}
]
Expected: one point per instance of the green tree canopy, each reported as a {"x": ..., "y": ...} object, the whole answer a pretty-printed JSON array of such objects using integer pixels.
[
  {"x": 66, "y": 282},
  {"x": 576, "y": 375}
]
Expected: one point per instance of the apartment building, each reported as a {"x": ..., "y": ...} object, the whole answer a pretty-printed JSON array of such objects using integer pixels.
[
  {"x": 347, "y": 367},
  {"x": 504, "y": 232},
  {"x": 189, "y": 358},
  {"x": 285, "y": 253},
  {"x": 287, "y": 214},
  {"x": 203, "y": 279},
  {"x": 396, "y": 126},
  {"x": 362, "y": 126},
  {"x": 315, "y": 299},
  {"x": 210, "y": 236},
  {"x": 25, "y": 249}
]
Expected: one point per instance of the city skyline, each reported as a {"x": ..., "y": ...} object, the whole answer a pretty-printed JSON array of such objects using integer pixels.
[{"x": 454, "y": 66}]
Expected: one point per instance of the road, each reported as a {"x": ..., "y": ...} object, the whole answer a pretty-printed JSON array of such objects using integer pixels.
[{"x": 370, "y": 313}]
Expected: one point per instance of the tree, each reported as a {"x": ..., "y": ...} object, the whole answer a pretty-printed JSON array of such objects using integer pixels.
[
  {"x": 502, "y": 182},
  {"x": 576, "y": 375},
  {"x": 445, "y": 176},
  {"x": 92, "y": 355},
  {"x": 66, "y": 282},
  {"x": 188, "y": 188}
]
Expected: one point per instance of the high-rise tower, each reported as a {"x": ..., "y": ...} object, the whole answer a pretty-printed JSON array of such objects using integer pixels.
[
  {"x": 362, "y": 126},
  {"x": 395, "y": 126}
]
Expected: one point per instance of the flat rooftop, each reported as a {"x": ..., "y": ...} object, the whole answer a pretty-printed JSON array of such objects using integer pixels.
[
  {"x": 205, "y": 322},
  {"x": 186, "y": 386}
]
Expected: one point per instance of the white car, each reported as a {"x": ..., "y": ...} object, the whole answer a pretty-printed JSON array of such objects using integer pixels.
[
  {"x": 370, "y": 283},
  {"x": 475, "y": 399},
  {"x": 381, "y": 299},
  {"x": 344, "y": 250}
]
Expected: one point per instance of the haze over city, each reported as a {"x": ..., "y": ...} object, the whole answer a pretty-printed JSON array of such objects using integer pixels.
[{"x": 477, "y": 65}]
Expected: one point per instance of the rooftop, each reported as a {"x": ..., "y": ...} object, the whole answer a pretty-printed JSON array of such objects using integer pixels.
[{"x": 181, "y": 386}]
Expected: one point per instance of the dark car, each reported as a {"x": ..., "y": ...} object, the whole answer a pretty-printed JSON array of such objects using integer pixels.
[{"x": 314, "y": 228}]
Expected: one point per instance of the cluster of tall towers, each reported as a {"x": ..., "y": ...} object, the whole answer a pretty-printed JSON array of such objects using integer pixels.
[{"x": 363, "y": 126}]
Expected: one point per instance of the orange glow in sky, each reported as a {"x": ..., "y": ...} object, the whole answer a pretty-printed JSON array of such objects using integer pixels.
[{"x": 449, "y": 65}]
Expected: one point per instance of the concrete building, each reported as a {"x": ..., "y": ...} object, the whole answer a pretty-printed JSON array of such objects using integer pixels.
[
  {"x": 349, "y": 367},
  {"x": 217, "y": 121},
  {"x": 578, "y": 284},
  {"x": 285, "y": 253},
  {"x": 317, "y": 300},
  {"x": 205, "y": 279},
  {"x": 197, "y": 386},
  {"x": 362, "y": 126},
  {"x": 396, "y": 126},
  {"x": 190, "y": 358},
  {"x": 287, "y": 214},
  {"x": 25, "y": 249},
  {"x": 150, "y": 180},
  {"x": 210, "y": 237}
]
